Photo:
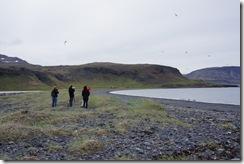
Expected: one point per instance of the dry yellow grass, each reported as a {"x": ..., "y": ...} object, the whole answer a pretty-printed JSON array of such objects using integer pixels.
[
  {"x": 14, "y": 132},
  {"x": 83, "y": 145}
]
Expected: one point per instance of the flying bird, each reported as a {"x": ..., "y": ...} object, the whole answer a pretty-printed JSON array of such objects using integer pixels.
[
  {"x": 176, "y": 15},
  {"x": 65, "y": 42},
  {"x": 186, "y": 52}
]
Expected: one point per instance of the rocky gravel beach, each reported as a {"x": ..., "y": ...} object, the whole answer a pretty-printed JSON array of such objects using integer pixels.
[{"x": 213, "y": 133}]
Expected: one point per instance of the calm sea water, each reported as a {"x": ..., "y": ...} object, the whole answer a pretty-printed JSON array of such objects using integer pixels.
[{"x": 209, "y": 95}]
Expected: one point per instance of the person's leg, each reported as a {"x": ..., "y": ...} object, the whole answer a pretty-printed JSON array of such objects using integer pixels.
[
  {"x": 52, "y": 101},
  {"x": 71, "y": 101},
  {"x": 55, "y": 101},
  {"x": 84, "y": 102},
  {"x": 54, "y": 104}
]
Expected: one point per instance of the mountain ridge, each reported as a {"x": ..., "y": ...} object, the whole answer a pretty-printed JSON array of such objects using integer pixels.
[
  {"x": 221, "y": 75},
  {"x": 4, "y": 59},
  {"x": 14, "y": 76}
]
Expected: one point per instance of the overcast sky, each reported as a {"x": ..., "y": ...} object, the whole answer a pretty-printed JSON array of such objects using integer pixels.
[{"x": 185, "y": 34}]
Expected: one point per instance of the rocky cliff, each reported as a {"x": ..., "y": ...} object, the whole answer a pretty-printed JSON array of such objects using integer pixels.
[{"x": 223, "y": 75}]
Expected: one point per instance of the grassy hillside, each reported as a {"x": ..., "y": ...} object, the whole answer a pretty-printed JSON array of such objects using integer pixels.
[{"x": 96, "y": 75}]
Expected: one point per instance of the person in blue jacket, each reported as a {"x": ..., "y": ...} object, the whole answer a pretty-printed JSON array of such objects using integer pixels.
[{"x": 54, "y": 95}]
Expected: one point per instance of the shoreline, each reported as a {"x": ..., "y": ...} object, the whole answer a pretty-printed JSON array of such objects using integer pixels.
[
  {"x": 181, "y": 103},
  {"x": 217, "y": 126}
]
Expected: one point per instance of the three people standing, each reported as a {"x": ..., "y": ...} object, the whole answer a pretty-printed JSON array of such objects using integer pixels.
[{"x": 85, "y": 94}]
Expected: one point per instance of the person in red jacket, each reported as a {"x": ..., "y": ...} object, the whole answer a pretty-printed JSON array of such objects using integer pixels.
[{"x": 85, "y": 95}]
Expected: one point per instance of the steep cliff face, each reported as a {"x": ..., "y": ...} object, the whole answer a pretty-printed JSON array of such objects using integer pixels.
[
  {"x": 147, "y": 73},
  {"x": 221, "y": 75}
]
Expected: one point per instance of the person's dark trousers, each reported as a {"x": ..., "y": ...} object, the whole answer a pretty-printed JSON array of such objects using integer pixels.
[
  {"x": 85, "y": 103},
  {"x": 54, "y": 102},
  {"x": 71, "y": 99}
]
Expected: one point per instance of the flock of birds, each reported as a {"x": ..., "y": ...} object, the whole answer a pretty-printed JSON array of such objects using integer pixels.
[
  {"x": 185, "y": 51},
  {"x": 161, "y": 51}
]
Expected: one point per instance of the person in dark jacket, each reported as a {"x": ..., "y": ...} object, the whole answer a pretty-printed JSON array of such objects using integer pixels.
[
  {"x": 54, "y": 95},
  {"x": 85, "y": 95},
  {"x": 71, "y": 95}
]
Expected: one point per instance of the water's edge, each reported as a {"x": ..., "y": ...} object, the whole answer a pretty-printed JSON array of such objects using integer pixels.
[
  {"x": 182, "y": 103},
  {"x": 194, "y": 95}
]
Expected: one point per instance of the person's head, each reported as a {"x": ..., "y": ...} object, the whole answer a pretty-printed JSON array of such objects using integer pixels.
[
  {"x": 85, "y": 87},
  {"x": 71, "y": 86},
  {"x": 54, "y": 87}
]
